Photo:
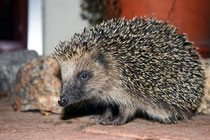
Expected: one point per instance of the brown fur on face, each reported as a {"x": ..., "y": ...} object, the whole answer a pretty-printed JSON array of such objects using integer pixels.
[{"x": 100, "y": 82}]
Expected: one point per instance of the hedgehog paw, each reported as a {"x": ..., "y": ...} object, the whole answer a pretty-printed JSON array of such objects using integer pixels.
[
  {"x": 124, "y": 115},
  {"x": 107, "y": 115},
  {"x": 117, "y": 120}
]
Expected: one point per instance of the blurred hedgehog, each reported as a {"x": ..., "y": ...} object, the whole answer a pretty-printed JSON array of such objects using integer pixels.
[{"x": 140, "y": 65}]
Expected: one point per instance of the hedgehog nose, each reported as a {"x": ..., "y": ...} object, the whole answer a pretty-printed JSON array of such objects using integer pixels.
[{"x": 63, "y": 101}]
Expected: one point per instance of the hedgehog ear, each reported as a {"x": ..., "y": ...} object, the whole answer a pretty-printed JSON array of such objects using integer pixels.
[{"x": 100, "y": 58}]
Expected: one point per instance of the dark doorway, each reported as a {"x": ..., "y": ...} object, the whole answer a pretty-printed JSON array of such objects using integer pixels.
[{"x": 13, "y": 25}]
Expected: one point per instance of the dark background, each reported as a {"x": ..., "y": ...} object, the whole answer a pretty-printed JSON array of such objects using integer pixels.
[{"x": 13, "y": 25}]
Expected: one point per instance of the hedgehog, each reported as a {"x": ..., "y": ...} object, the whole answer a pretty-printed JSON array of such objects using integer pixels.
[{"x": 141, "y": 65}]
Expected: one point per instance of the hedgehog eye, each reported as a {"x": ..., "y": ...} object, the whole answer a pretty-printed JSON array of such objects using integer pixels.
[{"x": 84, "y": 76}]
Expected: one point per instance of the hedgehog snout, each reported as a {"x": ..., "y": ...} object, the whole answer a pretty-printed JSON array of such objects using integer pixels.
[{"x": 63, "y": 101}]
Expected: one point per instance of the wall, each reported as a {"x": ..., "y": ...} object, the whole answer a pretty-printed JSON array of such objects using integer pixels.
[
  {"x": 35, "y": 26},
  {"x": 61, "y": 20}
]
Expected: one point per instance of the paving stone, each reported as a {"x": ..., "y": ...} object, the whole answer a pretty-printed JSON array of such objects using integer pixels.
[
  {"x": 198, "y": 128},
  {"x": 33, "y": 125}
]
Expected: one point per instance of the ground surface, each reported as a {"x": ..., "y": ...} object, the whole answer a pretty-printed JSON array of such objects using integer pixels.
[{"x": 33, "y": 126}]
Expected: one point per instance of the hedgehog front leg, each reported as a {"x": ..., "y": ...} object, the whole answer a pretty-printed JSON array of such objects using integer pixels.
[
  {"x": 107, "y": 115},
  {"x": 125, "y": 114}
]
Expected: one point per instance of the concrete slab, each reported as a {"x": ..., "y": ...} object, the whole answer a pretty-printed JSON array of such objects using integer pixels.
[{"x": 33, "y": 125}]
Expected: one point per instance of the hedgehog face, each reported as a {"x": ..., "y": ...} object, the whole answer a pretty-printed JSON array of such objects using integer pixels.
[{"x": 82, "y": 77}]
